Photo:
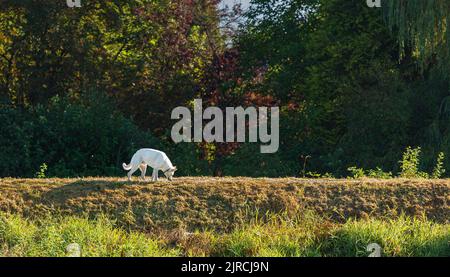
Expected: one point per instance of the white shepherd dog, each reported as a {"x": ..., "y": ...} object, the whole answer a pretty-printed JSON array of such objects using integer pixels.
[{"x": 156, "y": 159}]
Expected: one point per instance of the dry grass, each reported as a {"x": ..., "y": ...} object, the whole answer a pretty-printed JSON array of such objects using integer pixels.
[{"x": 223, "y": 203}]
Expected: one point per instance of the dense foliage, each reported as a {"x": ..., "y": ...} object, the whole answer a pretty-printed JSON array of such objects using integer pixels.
[
  {"x": 421, "y": 26},
  {"x": 81, "y": 89}
]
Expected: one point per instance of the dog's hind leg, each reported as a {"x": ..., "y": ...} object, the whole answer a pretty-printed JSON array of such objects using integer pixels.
[
  {"x": 143, "y": 168},
  {"x": 132, "y": 170}
]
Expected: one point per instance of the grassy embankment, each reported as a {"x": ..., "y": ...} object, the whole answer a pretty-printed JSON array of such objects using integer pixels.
[{"x": 224, "y": 217}]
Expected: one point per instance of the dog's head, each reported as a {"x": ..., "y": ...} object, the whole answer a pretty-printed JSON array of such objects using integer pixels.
[{"x": 169, "y": 173}]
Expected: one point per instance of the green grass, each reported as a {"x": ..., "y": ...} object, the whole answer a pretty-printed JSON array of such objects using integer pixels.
[
  {"x": 275, "y": 236},
  {"x": 310, "y": 236},
  {"x": 50, "y": 236},
  {"x": 400, "y": 237}
]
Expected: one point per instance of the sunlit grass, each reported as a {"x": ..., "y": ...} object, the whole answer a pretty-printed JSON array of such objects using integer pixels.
[
  {"x": 275, "y": 236},
  {"x": 403, "y": 236},
  {"x": 311, "y": 236},
  {"x": 50, "y": 237}
]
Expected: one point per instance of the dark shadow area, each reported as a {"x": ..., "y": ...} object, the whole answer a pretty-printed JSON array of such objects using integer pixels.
[{"x": 85, "y": 188}]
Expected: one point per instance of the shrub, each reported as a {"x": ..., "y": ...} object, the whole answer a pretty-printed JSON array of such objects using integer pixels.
[
  {"x": 410, "y": 164},
  {"x": 439, "y": 170},
  {"x": 41, "y": 173},
  {"x": 379, "y": 173},
  {"x": 372, "y": 173},
  {"x": 72, "y": 138},
  {"x": 356, "y": 172},
  {"x": 15, "y": 143}
]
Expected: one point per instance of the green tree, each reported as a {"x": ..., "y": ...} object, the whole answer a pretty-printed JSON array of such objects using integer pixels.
[
  {"x": 421, "y": 28},
  {"x": 333, "y": 66}
]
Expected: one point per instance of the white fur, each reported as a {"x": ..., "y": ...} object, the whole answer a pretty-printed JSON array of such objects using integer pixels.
[{"x": 150, "y": 157}]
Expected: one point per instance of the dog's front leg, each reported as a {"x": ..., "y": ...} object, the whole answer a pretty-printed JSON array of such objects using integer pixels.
[{"x": 155, "y": 175}]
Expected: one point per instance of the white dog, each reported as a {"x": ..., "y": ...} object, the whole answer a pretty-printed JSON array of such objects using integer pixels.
[{"x": 156, "y": 159}]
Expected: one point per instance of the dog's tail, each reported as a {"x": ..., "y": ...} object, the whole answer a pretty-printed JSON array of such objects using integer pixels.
[{"x": 126, "y": 167}]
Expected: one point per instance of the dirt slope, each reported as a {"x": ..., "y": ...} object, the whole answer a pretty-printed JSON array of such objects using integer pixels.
[{"x": 221, "y": 203}]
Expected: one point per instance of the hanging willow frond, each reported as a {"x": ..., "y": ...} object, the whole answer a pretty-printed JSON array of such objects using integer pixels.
[{"x": 422, "y": 25}]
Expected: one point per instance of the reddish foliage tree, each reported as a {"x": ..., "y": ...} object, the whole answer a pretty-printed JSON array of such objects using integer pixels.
[{"x": 224, "y": 87}]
